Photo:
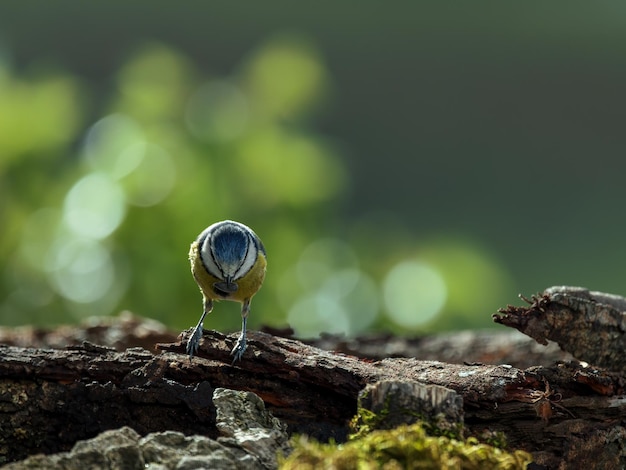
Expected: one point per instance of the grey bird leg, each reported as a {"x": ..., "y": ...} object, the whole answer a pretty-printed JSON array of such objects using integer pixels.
[
  {"x": 240, "y": 345},
  {"x": 194, "y": 341}
]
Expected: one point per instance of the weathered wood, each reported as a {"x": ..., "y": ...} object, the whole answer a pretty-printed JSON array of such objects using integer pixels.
[
  {"x": 494, "y": 346},
  {"x": 589, "y": 325},
  {"x": 49, "y": 398}
]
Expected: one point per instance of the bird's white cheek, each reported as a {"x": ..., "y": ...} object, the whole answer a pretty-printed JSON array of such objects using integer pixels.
[
  {"x": 209, "y": 263},
  {"x": 248, "y": 263}
]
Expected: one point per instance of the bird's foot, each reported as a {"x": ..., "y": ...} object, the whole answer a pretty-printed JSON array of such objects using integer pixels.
[
  {"x": 240, "y": 347},
  {"x": 194, "y": 340}
]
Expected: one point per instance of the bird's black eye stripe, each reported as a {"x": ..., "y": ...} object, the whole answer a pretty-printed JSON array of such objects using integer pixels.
[
  {"x": 259, "y": 245},
  {"x": 219, "y": 266}
]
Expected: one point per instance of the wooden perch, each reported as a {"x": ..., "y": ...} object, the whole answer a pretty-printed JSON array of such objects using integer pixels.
[
  {"x": 589, "y": 325},
  {"x": 50, "y": 398}
]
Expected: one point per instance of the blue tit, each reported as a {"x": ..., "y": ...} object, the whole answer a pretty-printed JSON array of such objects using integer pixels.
[{"x": 228, "y": 262}]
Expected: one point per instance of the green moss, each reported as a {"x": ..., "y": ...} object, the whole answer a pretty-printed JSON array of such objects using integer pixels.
[
  {"x": 366, "y": 421},
  {"x": 493, "y": 438},
  {"x": 406, "y": 447},
  {"x": 442, "y": 428}
]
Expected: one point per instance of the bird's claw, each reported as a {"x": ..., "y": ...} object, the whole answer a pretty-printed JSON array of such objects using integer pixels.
[
  {"x": 194, "y": 341},
  {"x": 238, "y": 350}
]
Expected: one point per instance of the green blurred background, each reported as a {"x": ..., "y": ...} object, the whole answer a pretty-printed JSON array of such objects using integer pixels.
[{"x": 410, "y": 167}]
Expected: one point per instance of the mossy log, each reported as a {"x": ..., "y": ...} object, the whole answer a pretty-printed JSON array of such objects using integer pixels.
[{"x": 564, "y": 414}]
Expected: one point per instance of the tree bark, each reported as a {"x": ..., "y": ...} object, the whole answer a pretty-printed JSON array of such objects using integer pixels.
[{"x": 564, "y": 414}]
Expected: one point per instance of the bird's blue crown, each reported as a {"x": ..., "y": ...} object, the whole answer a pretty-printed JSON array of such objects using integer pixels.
[{"x": 230, "y": 244}]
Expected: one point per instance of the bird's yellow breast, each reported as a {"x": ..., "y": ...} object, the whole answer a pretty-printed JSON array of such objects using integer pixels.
[{"x": 248, "y": 285}]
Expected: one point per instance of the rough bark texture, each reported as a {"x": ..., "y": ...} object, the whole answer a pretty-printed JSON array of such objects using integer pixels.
[
  {"x": 565, "y": 414},
  {"x": 589, "y": 325}
]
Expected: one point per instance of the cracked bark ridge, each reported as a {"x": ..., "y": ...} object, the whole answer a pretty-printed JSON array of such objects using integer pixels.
[
  {"x": 589, "y": 325},
  {"x": 459, "y": 347}
]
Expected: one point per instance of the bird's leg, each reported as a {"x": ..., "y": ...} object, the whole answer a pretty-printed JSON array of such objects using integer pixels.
[
  {"x": 240, "y": 345},
  {"x": 196, "y": 335}
]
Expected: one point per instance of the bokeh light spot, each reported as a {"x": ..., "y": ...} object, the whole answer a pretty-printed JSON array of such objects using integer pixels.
[
  {"x": 38, "y": 233},
  {"x": 323, "y": 257},
  {"x": 277, "y": 168},
  {"x": 476, "y": 282},
  {"x": 218, "y": 110},
  {"x": 318, "y": 313},
  {"x": 414, "y": 293},
  {"x": 357, "y": 294},
  {"x": 94, "y": 207},
  {"x": 155, "y": 83},
  {"x": 328, "y": 292},
  {"x": 286, "y": 76},
  {"x": 153, "y": 179},
  {"x": 108, "y": 142},
  {"x": 80, "y": 269}
]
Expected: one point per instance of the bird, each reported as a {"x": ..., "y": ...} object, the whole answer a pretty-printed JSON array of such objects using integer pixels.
[{"x": 228, "y": 262}]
